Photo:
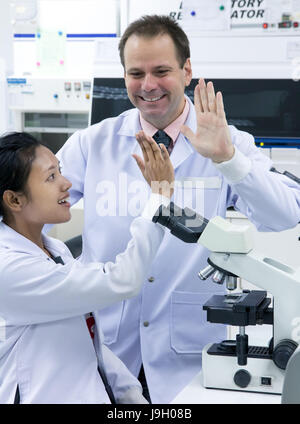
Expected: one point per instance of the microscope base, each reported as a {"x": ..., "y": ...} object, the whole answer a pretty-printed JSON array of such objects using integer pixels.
[{"x": 221, "y": 371}]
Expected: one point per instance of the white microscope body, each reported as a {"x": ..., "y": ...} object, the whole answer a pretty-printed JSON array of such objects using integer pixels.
[
  {"x": 233, "y": 252},
  {"x": 233, "y": 364}
]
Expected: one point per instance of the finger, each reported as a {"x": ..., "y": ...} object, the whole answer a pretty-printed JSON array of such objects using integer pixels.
[
  {"x": 164, "y": 152},
  {"x": 211, "y": 97},
  {"x": 156, "y": 149},
  {"x": 220, "y": 106},
  {"x": 139, "y": 138},
  {"x": 168, "y": 166},
  {"x": 147, "y": 147},
  {"x": 197, "y": 101},
  {"x": 203, "y": 95},
  {"x": 152, "y": 148},
  {"x": 198, "y": 105}
]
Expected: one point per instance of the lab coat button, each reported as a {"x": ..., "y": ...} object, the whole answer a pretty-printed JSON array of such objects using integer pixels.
[
  {"x": 146, "y": 324},
  {"x": 151, "y": 279}
]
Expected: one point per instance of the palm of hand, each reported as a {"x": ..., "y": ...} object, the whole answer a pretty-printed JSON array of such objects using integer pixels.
[
  {"x": 212, "y": 134},
  {"x": 212, "y": 138}
]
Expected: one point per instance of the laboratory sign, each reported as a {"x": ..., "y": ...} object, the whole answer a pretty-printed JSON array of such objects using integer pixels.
[{"x": 248, "y": 11}]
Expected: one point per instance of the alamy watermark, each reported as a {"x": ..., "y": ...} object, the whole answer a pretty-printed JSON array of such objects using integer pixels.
[{"x": 128, "y": 197}]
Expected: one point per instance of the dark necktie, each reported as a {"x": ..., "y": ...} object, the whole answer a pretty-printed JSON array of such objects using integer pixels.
[
  {"x": 58, "y": 260},
  {"x": 161, "y": 137}
]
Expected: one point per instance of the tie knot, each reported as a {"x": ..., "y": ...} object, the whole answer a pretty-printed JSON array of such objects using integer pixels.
[{"x": 161, "y": 137}]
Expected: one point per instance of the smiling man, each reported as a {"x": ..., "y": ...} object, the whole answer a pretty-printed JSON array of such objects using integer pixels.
[
  {"x": 160, "y": 333},
  {"x": 155, "y": 84}
]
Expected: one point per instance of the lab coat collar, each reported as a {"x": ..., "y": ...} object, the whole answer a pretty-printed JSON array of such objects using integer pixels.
[
  {"x": 182, "y": 149},
  {"x": 11, "y": 239},
  {"x": 131, "y": 123}
]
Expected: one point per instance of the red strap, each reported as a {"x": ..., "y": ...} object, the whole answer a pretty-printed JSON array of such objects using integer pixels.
[{"x": 90, "y": 321}]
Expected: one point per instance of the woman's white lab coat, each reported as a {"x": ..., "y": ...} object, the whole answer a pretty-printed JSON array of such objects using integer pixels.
[{"x": 45, "y": 345}]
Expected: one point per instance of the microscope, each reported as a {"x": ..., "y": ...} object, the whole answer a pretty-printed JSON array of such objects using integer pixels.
[{"x": 234, "y": 364}]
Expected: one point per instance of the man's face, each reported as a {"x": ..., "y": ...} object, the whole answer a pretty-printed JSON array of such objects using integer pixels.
[{"x": 154, "y": 80}]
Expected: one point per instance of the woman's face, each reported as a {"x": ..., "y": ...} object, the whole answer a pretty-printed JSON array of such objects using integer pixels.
[{"x": 47, "y": 191}]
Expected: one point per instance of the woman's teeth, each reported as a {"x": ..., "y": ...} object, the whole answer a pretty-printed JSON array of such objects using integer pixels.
[{"x": 63, "y": 201}]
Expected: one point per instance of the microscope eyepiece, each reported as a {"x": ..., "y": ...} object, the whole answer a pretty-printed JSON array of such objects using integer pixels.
[{"x": 184, "y": 224}]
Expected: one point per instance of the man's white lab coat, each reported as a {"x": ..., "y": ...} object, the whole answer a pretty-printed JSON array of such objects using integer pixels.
[{"x": 164, "y": 327}]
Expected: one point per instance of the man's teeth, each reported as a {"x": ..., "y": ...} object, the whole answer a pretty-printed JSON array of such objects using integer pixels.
[{"x": 152, "y": 100}]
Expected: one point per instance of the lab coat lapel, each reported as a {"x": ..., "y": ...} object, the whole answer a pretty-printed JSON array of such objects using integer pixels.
[
  {"x": 183, "y": 148},
  {"x": 130, "y": 126},
  {"x": 11, "y": 239}
]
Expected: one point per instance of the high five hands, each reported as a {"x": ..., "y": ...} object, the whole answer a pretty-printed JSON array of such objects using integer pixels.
[
  {"x": 212, "y": 138},
  {"x": 156, "y": 166}
]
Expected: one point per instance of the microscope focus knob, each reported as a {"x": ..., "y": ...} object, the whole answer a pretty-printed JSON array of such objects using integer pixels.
[
  {"x": 283, "y": 351},
  {"x": 242, "y": 378}
]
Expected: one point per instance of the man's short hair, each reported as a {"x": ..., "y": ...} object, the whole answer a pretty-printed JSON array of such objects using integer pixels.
[{"x": 150, "y": 26}]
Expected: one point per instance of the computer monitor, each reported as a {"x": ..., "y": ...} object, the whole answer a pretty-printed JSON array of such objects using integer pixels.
[{"x": 269, "y": 109}]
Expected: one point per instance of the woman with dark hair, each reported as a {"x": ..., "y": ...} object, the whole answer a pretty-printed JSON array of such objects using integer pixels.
[{"x": 47, "y": 354}]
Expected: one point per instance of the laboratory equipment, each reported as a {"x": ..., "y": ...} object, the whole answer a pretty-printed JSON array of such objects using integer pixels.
[
  {"x": 49, "y": 92},
  {"x": 6, "y": 64},
  {"x": 51, "y": 109},
  {"x": 234, "y": 364}
]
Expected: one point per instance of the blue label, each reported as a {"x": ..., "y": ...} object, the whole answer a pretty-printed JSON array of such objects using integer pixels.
[{"x": 16, "y": 80}]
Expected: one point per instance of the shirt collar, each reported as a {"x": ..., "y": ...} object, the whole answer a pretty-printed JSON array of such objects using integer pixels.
[{"x": 172, "y": 129}]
